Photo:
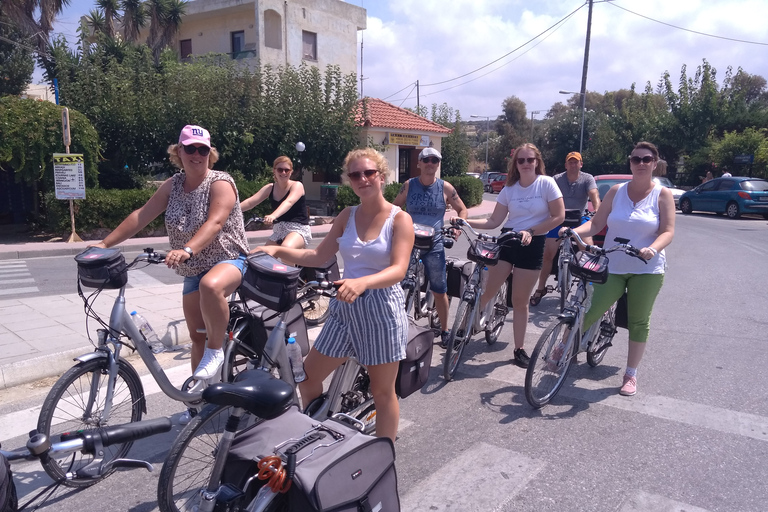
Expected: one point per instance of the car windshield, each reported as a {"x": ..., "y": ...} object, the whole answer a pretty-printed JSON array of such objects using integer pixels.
[
  {"x": 603, "y": 186},
  {"x": 664, "y": 182},
  {"x": 755, "y": 185}
]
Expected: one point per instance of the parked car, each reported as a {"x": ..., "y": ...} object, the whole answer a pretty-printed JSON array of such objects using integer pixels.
[
  {"x": 474, "y": 174},
  {"x": 498, "y": 183},
  {"x": 676, "y": 192},
  {"x": 487, "y": 178},
  {"x": 732, "y": 196},
  {"x": 604, "y": 183}
]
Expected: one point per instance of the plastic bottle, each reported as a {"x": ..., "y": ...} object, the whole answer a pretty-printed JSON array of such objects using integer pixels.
[
  {"x": 297, "y": 362},
  {"x": 152, "y": 340}
]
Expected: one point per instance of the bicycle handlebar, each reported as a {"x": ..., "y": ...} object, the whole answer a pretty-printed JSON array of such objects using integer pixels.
[
  {"x": 501, "y": 239},
  {"x": 622, "y": 245},
  {"x": 258, "y": 220},
  {"x": 150, "y": 256}
]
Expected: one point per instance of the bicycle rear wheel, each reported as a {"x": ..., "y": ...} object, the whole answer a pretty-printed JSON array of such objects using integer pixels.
[
  {"x": 316, "y": 309},
  {"x": 550, "y": 362},
  {"x": 361, "y": 407},
  {"x": 600, "y": 344},
  {"x": 240, "y": 350},
  {"x": 499, "y": 312},
  {"x": 77, "y": 402},
  {"x": 457, "y": 339},
  {"x": 188, "y": 467}
]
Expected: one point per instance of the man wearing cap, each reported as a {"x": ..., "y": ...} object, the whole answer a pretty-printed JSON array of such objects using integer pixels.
[
  {"x": 576, "y": 187},
  {"x": 425, "y": 198}
]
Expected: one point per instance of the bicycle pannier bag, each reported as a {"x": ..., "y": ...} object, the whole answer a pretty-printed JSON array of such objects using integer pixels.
[
  {"x": 590, "y": 267},
  {"x": 339, "y": 469},
  {"x": 413, "y": 372},
  {"x": 424, "y": 236},
  {"x": 330, "y": 269},
  {"x": 296, "y": 328},
  {"x": 102, "y": 268},
  {"x": 572, "y": 219},
  {"x": 458, "y": 272},
  {"x": 270, "y": 282},
  {"x": 484, "y": 252},
  {"x": 8, "y": 501}
]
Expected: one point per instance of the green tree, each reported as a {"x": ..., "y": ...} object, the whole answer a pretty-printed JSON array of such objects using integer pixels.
[
  {"x": 454, "y": 147},
  {"x": 751, "y": 141},
  {"x": 16, "y": 62},
  {"x": 134, "y": 19}
]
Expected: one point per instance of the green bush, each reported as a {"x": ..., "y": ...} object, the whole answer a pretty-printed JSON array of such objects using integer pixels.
[
  {"x": 470, "y": 189},
  {"x": 391, "y": 190},
  {"x": 246, "y": 188},
  {"x": 346, "y": 197}
]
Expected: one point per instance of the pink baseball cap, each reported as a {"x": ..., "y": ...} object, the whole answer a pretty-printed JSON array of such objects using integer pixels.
[{"x": 192, "y": 134}]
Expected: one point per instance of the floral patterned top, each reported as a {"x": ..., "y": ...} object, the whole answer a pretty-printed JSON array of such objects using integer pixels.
[{"x": 188, "y": 211}]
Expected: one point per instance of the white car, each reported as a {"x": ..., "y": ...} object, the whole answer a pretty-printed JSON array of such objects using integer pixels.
[
  {"x": 676, "y": 192},
  {"x": 474, "y": 174}
]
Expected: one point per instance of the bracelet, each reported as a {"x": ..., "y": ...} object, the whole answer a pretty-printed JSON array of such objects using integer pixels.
[{"x": 654, "y": 251}]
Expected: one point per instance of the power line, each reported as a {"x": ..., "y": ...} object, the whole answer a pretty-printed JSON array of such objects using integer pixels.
[
  {"x": 687, "y": 29},
  {"x": 401, "y": 90}
]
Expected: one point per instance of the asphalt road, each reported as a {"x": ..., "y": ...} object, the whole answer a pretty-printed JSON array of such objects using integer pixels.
[{"x": 694, "y": 438}]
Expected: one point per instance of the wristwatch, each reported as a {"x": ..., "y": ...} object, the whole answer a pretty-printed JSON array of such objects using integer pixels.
[
  {"x": 530, "y": 230},
  {"x": 188, "y": 251}
]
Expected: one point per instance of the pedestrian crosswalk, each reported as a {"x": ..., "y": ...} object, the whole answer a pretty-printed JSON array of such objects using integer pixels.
[{"x": 16, "y": 278}]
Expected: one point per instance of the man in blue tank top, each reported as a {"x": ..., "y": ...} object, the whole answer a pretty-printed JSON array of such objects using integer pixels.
[{"x": 425, "y": 198}]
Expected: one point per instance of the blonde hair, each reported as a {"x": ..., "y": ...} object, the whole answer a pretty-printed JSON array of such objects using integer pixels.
[
  {"x": 173, "y": 156},
  {"x": 377, "y": 158},
  {"x": 282, "y": 159},
  {"x": 513, "y": 175}
]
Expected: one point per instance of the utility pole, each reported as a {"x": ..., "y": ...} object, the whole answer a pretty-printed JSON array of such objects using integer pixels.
[
  {"x": 584, "y": 77},
  {"x": 418, "y": 106},
  {"x": 532, "y": 114}
]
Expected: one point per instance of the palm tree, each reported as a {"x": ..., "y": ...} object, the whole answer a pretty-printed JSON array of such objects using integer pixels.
[
  {"x": 134, "y": 19},
  {"x": 109, "y": 9},
  {"x": 173, "y": 18},
  {"x": 165, "y": 16},
  {"x": 22, "y": 13},
  {"x": 97, "y": 24}
]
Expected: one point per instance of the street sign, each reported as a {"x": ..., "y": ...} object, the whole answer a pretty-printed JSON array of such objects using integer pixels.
[
  {"x": 69, "y": 175},
  {"x": 65, "y": 127},
  {"x": 744, "y": 159}
]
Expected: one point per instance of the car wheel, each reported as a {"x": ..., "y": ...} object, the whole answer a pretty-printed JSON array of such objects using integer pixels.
[
  {"x": 732, "y": 210},
  {"x": 686, "y": 207}
]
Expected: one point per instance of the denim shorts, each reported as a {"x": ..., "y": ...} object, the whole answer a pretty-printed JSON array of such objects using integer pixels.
[
  {"x": 434, "y": 267},
  {"x": 192, "y": 284},
  {"x": 553, "y": 233}
]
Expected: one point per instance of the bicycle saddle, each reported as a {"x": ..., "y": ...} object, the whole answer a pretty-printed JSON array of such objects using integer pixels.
[{"x": 256, "y": 391}]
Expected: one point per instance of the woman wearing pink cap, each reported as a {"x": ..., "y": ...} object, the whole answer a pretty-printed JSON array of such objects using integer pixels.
[{"x": 207, "y": 238}]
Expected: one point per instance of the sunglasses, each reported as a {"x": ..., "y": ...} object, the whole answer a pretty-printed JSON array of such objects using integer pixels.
[
  {"x": 636, "y": 159},
  {"x": 283, "y": 169},
  {"x": 530, "y": 160},
  {"x": 202, "y": 150},
  {"x": 368, "y": 173},
  {"x": 431, "y": 160}
]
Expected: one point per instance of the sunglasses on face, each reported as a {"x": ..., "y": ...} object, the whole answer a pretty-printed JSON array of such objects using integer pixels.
[
  {"x": 282, "y": 169},
  {"x": 368, "y": 173},
  {"x": 645, "y": 159},
  {"x": 202, "y": 150},
  {"x": 530, "y": 160},
  {"x": 431, "y": 160}
]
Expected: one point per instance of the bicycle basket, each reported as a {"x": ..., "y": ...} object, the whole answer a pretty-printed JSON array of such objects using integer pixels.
[
  {"x": 484, "y": 252},
  {"x": 102, "y": 268},
  {"x": 270, "y": 282},
  {"x": 424, "y": 236},
  {"x": 590, "y": 267},
  {"x": 572, "y": 219}
]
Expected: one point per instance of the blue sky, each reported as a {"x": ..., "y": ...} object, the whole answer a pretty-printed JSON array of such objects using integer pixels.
[{"x": 438, "y": 40}]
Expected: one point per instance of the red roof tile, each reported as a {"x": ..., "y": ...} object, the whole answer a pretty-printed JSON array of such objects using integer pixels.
[{"x": 380, "y": 114}]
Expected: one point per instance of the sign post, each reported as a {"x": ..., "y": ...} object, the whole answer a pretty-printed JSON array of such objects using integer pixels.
[{"x": 69, "y": 174}]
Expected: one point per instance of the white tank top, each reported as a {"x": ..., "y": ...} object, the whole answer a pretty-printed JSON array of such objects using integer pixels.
[
  {"x": 366, "y": 258},
  {"x": 640, "y": 224}
]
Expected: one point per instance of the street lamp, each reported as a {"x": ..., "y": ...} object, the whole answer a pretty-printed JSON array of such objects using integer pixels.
[
  {"x": 532, "y": 114},
  {"x": 583, "y": 109},
  {"x": 487, "y": 132}
]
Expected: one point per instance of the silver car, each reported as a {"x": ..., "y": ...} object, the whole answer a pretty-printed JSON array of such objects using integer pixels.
[{"x": 676, "y": 192}]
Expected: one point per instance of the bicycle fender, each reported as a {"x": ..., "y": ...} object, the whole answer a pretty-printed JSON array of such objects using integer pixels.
[{"x": 91, "y": 356}]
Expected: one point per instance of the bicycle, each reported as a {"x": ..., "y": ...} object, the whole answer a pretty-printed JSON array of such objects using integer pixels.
[
  {"x": 562, "y": 341},
  {"x": 193, "y": 462},
  {"x": 103, "y": 388},
  {"x": 418, "y": 296},
  {"x": 484, "y": 252},
  {"x": 92, "y": 442}
]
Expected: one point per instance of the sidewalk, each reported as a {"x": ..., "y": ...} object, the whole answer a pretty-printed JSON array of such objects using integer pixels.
[{"x": 39, "y": 336}]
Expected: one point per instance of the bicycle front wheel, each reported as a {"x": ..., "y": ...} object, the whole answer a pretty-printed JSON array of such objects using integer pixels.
[
  {"x": 457, "y": 339},
  {"x": 499, "y": 312},
  {"x": 77, "y": 402},
  {"x": 187, "y": 470},
  {"x": 564, "y": 283},
  {"x": 550, "y": 362}
]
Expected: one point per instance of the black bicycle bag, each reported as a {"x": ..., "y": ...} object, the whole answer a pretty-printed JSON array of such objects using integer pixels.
[
  {"x": 339, "y": 469},
  {"x": 102, "y": 268},
  {"x": 572, "y": 218},
  {"x": 590, "y": 267},
  {"x": 270, "y": 282},
  {"x": 424, "y": 237},
  {"x": 413, "y": 372},
  {"x": 484, "y": 252},
  {"x": 457, "y": 274},
  {"x": 8, "y": 501},
  {"x": 330, "y": 269}
]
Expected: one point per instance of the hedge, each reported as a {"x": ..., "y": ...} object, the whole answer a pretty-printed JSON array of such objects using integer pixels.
[{"x": 470, "y": 190}]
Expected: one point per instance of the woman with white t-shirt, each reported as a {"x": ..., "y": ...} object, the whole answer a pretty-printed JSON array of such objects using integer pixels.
[{"x": 531, "y": 203}]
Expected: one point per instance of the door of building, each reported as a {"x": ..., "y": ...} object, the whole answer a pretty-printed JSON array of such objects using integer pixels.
[{"x": 404, "y": 164}]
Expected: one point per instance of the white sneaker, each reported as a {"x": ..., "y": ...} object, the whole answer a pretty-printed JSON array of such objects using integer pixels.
[{"x": 210, "y": 364}]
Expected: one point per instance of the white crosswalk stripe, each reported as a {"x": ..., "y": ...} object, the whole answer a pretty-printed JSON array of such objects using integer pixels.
[{"x": 14, "y": 273}]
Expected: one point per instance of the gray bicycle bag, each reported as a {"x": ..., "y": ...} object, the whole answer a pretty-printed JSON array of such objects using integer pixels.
[
  {"x": 457, "y": 274},
  {"x": 8, "y": 502},
  {"x": 102, "y": 268},
  {"x": 413, "y": 372},
  {"x": 339, "y": 469}
]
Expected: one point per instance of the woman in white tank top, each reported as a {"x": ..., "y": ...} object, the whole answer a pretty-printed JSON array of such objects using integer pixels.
[
  {"x": 644, "y": 213},
  {"x": 367, "y": 318}
]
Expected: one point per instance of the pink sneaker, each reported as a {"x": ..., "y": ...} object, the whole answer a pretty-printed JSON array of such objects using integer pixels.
[{"x": 630, "y": 386}]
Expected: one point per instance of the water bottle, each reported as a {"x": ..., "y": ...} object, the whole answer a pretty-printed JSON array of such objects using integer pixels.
[
  {"x": 297, "y": 362},
  {"x": 152, "y": 340}
]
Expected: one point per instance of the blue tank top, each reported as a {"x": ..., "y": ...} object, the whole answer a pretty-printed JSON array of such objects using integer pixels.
[{"x": 426, "y": 205}]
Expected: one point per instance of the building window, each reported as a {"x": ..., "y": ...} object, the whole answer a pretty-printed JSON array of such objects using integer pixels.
[
  {"x": 273, "y": 29},
  {"x": 238, "y": 43},
  {"x": 185, "y": 48},
  {"x": 309, "y": 40}
]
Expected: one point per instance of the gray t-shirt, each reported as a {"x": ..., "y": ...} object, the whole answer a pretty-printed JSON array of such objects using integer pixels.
[{"x": 575, "y": 195}]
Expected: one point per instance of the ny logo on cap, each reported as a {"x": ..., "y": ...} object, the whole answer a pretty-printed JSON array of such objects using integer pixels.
[{"x": 197, "y": 131}]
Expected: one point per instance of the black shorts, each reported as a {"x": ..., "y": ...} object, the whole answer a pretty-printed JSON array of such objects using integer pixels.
[{"x": 527, "y": 257}]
